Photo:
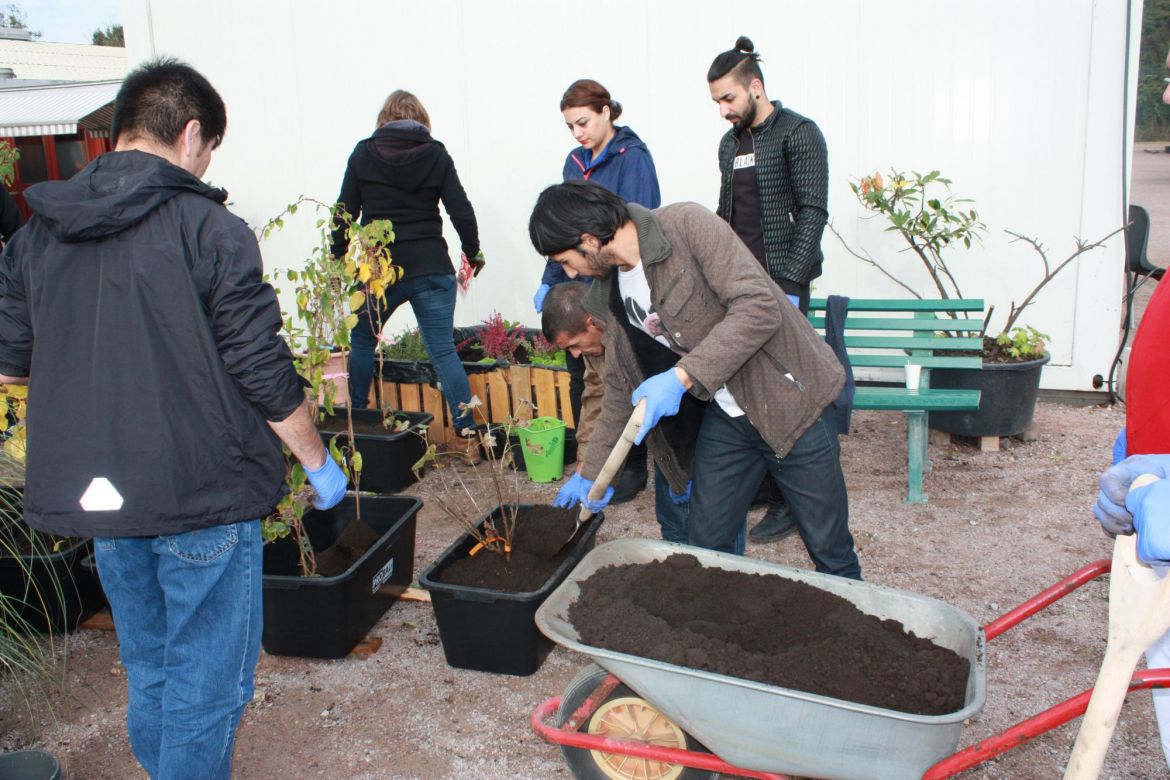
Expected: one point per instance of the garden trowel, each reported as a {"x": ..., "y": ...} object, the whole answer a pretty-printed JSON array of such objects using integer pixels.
[
  {"x": 1139, "y": 613},
  {"x": 613, "y": 463}
]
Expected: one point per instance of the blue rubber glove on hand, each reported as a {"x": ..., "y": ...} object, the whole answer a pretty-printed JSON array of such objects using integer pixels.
[
  {"x": 1119, "y": 447},
  {"x": 538, "y": 299},
  {"x": 329, "y": 481},
  {"x": 1110, "y": 509},
  {"x": 794, "y": 298},
  {"x": 1150, "y": 506},
  {"x": 683, "y": 497},
  {"x": 576, "y": 491},
  {"x": 663, "y": 393}
]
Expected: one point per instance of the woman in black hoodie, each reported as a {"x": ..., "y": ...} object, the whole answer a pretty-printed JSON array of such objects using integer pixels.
[{"x": 400, "y": 173}]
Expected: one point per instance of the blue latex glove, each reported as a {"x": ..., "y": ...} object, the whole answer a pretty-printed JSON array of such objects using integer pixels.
[
  {"x": 538, "y": 299},
  {"x": 794, "y": 298},
  {"x": 576, "y": 491},
  {"x": 1110, "y": 509},
  {"x": 1119, "y": 447},
  {"x": 1150, "y": 506},
  {"x": 329, "y": 481},
  {"x": 683, "y": 497},
  {"x": 663, "y": 393}
]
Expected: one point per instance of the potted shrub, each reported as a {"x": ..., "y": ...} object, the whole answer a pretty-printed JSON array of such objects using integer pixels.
[
  {"x": 329, "y": 576},
  {"x": 486, "y": 587},
  {"x": 933, "y": 223},
  {"x": 43, "y": 586}
]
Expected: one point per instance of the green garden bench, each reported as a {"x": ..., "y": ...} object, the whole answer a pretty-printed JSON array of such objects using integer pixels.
[{"x": 889, "y": 333}]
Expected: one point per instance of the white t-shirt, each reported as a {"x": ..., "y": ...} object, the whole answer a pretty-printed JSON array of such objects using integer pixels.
[{"x": 635, "y": 294}]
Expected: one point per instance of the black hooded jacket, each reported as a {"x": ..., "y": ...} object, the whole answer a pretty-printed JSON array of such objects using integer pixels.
[
  {"x": 133, "y": 301},
  {"x": 400, "y": 173}
]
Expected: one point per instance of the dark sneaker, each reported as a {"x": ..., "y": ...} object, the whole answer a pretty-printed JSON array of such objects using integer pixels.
[
  {"x": 778, "y": 523},
  {"x": 628, "y": 484}
]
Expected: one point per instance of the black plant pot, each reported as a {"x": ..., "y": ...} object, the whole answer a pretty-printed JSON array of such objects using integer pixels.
[
  {"x": 324, "y": 617},
  {"x": 29, "y": 765},
  {"x": 49, "y": 591},
  {"x": 386, "y": 457},
  {"x": 1006, "y": 404},
  {"x": 490, "y": 630}
]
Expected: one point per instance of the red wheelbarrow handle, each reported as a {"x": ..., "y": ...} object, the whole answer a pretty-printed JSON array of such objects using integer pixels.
[{"x": 706, "y": 761}]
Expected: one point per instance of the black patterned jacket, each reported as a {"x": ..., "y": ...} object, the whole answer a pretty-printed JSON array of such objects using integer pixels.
[{"x": 792, "y": 174}]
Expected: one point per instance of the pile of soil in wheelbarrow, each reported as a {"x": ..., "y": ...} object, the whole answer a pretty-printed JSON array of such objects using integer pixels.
[
  {"x": 768, "y": 629},
  {"x": 537, "y": 552}
]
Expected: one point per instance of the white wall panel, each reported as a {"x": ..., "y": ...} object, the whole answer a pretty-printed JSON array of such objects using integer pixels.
[{"x": 1020, "y": 103}]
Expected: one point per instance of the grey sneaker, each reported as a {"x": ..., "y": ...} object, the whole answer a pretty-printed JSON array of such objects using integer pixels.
[{"x": 778, "y": 523}]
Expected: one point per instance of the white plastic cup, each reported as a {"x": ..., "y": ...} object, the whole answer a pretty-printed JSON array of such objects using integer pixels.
[{"x": 913, "y": 376}]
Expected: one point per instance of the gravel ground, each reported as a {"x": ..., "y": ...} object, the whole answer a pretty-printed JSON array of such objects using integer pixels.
[{"x": 998, "y": 528}]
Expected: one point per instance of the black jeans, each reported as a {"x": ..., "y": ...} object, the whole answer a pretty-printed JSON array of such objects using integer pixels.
[{"x": 730, "y": 459}]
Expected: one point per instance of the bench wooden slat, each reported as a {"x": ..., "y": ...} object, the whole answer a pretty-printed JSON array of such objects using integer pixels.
[
  {"x": 927, "y": 324},
  {"x": 904, "y": 304},
  {"x": 967, "y": 343},
  {"x": 925, "y": 400},
  {"x": 926, "y": 361}
]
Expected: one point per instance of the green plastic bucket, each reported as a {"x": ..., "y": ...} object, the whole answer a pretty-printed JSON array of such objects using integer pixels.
[{"x": 543, "y": 443}]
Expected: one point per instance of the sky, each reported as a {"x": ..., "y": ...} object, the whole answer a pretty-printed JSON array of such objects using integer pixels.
[{"x": 68, "y": 21}]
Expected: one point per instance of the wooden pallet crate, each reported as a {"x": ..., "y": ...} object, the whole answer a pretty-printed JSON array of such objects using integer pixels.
[{"x": 506, "y": 392}]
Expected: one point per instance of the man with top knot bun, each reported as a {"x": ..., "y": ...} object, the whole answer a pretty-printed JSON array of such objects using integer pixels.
[{"x": 773, "y": 190}]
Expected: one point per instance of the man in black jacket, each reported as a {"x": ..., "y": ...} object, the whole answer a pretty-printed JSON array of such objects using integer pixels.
[
  {"x": 159, "y": 392},
  {"x": 773, "y": 190}
]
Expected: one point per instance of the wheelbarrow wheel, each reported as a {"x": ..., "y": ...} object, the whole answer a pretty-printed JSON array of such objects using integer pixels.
[{"x": 623, "y": 715}]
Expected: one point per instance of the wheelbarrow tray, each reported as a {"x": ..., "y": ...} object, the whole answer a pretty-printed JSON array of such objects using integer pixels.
[{"x": 767, "y": 728}]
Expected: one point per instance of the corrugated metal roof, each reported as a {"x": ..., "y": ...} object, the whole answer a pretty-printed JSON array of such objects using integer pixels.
[
  {"x": 55, "y": 110},
  {"x": 68, "y": 61}
]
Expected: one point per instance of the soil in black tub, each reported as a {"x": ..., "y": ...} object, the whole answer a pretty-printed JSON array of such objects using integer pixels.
[
  {"x": 768, "y": 629},
  {"x": 537, "y": 552},
  {"x": 353, "y": 543}
]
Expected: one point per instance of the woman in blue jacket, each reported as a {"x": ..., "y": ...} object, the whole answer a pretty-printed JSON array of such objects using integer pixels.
[
  {"x": 617, "y": 159},
  {"x": 611, "y": 155}
]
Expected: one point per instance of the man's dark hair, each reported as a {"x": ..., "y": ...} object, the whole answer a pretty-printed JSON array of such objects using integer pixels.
[
  {"x": 159, "y": 98},
  {"x": 564, "y": 211},
  {"x": 563, "y": 311},
  {"x": 743, "y": 61}
]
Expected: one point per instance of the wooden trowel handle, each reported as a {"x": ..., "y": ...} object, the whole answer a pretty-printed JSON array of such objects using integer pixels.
[
  {"x": 1139, "y": 613},
  {"x": 617, "y": 457}
]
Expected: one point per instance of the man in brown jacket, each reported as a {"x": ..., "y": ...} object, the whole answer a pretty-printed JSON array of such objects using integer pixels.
[{"x": 690, "y": 308}]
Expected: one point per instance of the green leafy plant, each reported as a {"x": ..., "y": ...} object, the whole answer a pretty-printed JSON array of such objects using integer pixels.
[
  {"x": 1022, "y": 343},
  {"x": 545, "y": 353},
  {"x": 329, "y": 293},
  {"x": 408, "y": 345},
  {"x": 934, "y": 224},
  {"x": 9, "y": 155}
]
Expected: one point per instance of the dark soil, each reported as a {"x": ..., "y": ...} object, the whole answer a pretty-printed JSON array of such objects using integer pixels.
[
  {"x": 353, "y": 543},
  {"x": 538, "y": 550},
  {"x": 768, "y": 629}
]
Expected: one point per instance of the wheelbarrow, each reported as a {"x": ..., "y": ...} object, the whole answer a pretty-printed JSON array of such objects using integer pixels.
[{"x": 631, "y": 717}]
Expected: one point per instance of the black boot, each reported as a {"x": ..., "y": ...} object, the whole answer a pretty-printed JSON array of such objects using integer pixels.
[{"x": 778, "y": 523}]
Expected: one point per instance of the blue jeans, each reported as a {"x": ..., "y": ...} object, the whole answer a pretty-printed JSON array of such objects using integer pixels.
[
  {"x": 433, "y": 299},
  {"x": 672, "y": 517},
  {"x": 188, "y": 609},
  {"x": 730, "y": 460}
]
